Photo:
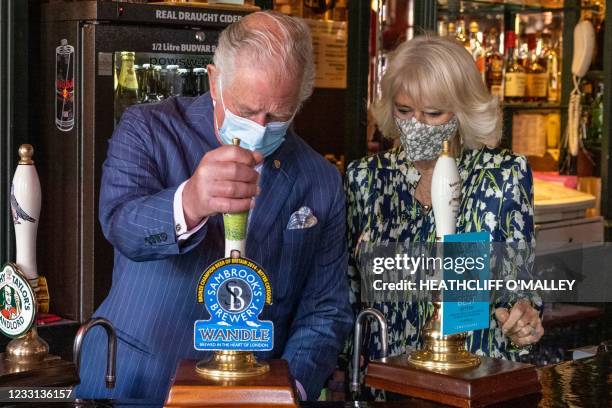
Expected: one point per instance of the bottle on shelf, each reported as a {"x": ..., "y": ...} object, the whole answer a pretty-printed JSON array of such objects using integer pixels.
[
  {"x": 451, "y": 31},
  {"x": 340, "y": 10},
  {"x": 522, "y": 50},
  {"x": 442, "y": 27},
  {"x": 200, "y": 80},
  {"x": 171, "y": 80},
  {"x": 141, "y": 73},
  {"x": 537, "y": 77},
  {"x": 476, "y": 48},
  {"x": 186, "y": 82},
  {"x": 151, "y": 83},
  {"x": 460, "y": 35},
  {"x": 552, "y": 68},
  {"x": 494, "y": 66},
  {"x": 159, "y": 77},
  {"x": 514, "y": 75},
  {"x": 126, "y": 93}
]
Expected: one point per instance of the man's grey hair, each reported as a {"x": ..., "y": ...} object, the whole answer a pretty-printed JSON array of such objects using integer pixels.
[{"x": 276, "y": 43}]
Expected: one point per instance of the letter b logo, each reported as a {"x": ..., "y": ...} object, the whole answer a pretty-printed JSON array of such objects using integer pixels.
[
  {"x": 234, "y": 295},
  {"x": 236, "y": 300}
]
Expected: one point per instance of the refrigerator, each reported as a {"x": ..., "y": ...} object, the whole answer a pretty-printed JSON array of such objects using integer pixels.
[{"x": 81, "y": 47}]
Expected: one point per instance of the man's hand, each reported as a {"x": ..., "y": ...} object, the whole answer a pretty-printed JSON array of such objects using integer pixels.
[
  {"x": 522, "y": 324},
  {"x": 224, "y": 181}
]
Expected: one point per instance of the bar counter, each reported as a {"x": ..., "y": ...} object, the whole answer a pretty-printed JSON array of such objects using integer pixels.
[{"x": 579, "y": 383}]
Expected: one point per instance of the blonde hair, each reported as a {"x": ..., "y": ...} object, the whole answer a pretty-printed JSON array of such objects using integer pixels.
[{"x": 441, "y": 72}]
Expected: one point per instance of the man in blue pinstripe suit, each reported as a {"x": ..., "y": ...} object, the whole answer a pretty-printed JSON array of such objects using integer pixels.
[{"x": 169, "y": 174}]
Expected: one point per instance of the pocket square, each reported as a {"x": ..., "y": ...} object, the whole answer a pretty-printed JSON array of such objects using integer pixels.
[{"x": 301, "y": 219}]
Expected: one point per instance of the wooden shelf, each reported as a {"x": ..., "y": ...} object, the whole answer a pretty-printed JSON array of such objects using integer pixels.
[{"x": 532, "y": 106}]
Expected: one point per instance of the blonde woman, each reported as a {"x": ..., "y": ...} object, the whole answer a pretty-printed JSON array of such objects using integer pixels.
[{"x": 431, "y": 92}]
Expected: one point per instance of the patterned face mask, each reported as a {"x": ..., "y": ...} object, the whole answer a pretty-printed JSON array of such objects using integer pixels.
[{"x": 422, "y": 141}]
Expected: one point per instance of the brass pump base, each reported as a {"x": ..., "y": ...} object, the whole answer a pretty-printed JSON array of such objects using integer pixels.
[
  {"x": 28, "y": 349},
  {"x": 231, "y": 365},
  {"x": 442, "y": 352}
]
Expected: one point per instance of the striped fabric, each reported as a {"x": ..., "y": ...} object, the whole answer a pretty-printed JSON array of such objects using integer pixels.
[{"x": 152, "y": 302}]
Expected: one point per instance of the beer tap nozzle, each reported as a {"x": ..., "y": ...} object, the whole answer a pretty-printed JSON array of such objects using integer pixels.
[
  {"x": 111, "y": 356},
  {"x": 382, "y": 322}
]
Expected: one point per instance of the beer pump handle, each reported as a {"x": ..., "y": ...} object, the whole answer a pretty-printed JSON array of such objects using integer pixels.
[
  {"x": 445, "y": 193},
  {"x": 25, "y": 209},
  {"x": 235, "y": 226}
]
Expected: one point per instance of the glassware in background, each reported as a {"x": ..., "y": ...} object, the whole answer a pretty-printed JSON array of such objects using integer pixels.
[
  {"x": 141, "y": 78},
  {"x": 171, "y": 81},
  {"x": 201, "y": 80},
  {"x": 158, "y": 84},
  {"x": 184, "y": 83},
  {"x": 150, "y": 86}
]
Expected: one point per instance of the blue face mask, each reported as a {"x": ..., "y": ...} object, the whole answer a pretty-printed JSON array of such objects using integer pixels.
[{"x": 253, "y": 136}]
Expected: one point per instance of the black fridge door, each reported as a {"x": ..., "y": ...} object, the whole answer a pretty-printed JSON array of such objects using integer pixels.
[
  {"x": 74, "y": 255},
  {"x": 167, "y": 62}
]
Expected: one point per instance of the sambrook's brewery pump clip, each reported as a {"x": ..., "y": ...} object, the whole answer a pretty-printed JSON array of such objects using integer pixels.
[{"x": 234, "y": 291}]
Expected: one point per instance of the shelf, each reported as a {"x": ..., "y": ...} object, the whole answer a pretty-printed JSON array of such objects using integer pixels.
[
  {"x": 532, "y": 106},
  {"x": 595, "y": 74},
  {"x": 516, "y": 6}
]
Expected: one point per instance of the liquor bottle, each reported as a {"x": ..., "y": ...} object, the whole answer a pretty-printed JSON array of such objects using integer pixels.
[
  {"x": 127, "y": 88},
  {"x": 522, "y": 51},
  {"x": 552, "y": 69},
  {"x": 451, "y": 30},
  {"x": 537, "y": 77},
  {"x": 283, "y": 6},
  {"x": 514, "y": 77},
  {"x": 340, "y": 10},
  {"x": 442, "y": 27},
  {"x": 494, "y": 63},
  {"x": 460, "y": 35},
  {"x": 476, "y": 49}
]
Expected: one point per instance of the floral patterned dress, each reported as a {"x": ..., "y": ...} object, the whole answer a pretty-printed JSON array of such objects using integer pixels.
[{"x": 497, "y": 196}]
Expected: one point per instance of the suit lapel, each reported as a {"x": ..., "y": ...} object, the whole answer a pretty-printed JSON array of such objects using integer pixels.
[
  {"x": 200, "y": 117},
  {"x": 277, "y": 180}
]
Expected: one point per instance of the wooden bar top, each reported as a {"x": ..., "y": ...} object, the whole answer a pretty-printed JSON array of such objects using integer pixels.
[{"x": 579, "y": 383}]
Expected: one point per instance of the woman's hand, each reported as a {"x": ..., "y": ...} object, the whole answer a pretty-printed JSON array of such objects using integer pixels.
[{"x": 521, "y": 324}]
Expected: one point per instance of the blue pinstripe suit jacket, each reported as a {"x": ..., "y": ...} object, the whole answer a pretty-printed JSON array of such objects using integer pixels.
[{"x": 152, "y": 302}]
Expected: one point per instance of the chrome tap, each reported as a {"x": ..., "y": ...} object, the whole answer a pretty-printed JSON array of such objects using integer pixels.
[
  {"x": 111, "y": 356},
  {"x": 382, "y": 322}
]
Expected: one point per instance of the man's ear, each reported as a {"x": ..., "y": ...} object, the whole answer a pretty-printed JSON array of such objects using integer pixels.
[{"x": 212, "y": 80}]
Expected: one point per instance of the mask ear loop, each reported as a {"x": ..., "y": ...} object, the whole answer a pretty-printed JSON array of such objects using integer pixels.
[{"x": 215, "y": 105}]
